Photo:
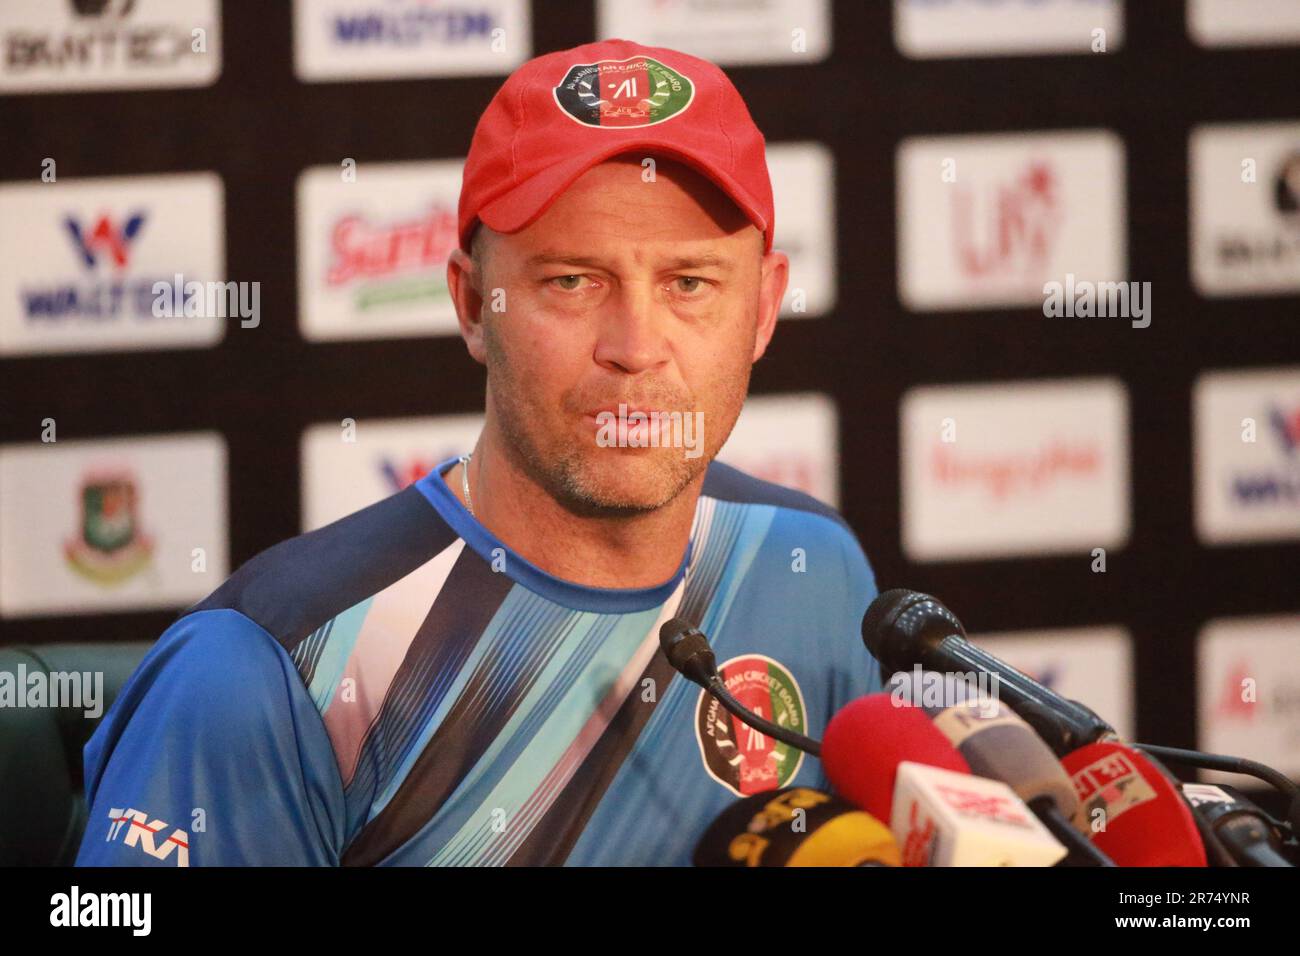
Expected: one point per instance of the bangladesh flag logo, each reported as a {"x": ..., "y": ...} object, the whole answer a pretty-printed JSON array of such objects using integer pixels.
[
  {"x": 623, "y": 94},
  {"x": 739, "y": 757}
]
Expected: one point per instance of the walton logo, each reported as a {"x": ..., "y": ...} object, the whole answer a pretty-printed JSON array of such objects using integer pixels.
[
  {"x": 1279, "y": 485},
  {"x": 140, "y": 832},
  {"x": 1287, "y": 425},
  {"x": 400, "y": 23},
  {"x": 104, "y": 237}
]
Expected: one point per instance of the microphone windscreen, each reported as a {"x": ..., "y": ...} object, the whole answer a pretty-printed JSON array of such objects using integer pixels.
[
  {"x": 899, "y": 621},
  {"x": 994, "y": 740},
  {"x": 1133, "y": 811},
  {"x": 866, "y": 741},
  {"x": 796, "y": 826}
]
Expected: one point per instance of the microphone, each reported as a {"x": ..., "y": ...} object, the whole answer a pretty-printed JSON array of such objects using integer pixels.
[
  {"x": 796, "y": 826},
  {"x": 1250, "y": 835},
  {"x": 998, "y": 744},
  {"x": 994, "y": 741},
  {"x": 904, "y": 629},
  {"x": 868, "y": 738},
  {"x": 1143, "y": 818},
  {"x": 872, "y": 746},
  {"x": 1239, "y": 765},
  {"x": 944, "y": 818},
  {"x": 689, "y": 653}
]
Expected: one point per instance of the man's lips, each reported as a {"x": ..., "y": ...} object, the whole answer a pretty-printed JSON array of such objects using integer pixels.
[{"x": 627, "y": 412}]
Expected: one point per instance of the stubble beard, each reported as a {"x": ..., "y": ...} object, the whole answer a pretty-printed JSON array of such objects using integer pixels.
[{"x": 579, "y": 478}]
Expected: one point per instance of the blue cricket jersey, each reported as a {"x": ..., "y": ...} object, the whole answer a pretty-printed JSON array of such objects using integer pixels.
[{"x": 399, "y": 688}]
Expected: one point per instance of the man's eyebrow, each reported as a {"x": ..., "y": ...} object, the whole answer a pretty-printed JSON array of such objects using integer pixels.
[
  {"x": 708, "y": 261},
  {"x": 705, "y": 261}
]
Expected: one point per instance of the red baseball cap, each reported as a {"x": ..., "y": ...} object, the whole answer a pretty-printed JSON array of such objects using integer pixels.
[{"x": 560, "y": 114}]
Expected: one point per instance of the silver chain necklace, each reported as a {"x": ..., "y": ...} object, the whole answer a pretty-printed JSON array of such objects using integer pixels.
[{"x": 464, "y": 481}]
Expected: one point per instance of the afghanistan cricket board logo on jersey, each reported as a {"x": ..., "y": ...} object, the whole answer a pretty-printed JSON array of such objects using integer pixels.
[
  {"x": 623, "y": 94},
  {"x": 111, "y": 547},
  {"x": 740, "y": 758}
]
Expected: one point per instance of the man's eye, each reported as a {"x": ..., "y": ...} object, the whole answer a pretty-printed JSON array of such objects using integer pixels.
[
  {"x": 568, "y": 283},
  {"x": 689, "y": 284}
]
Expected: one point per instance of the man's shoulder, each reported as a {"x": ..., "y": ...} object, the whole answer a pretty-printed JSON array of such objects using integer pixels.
[
  {"x": 295, "y": 586},
  {"x": 728, "y": 483}
]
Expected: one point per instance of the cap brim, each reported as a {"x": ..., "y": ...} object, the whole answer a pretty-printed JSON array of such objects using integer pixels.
[{"x": 525, "y": 203}]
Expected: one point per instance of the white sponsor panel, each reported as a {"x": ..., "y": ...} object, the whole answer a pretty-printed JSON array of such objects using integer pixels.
[
  {"x": 383, "y": 457},
  {"x": 59, "y": 45},
  {"x": 1247, "y": 455},
  {"x": 803, "y": 193},
  {"x": 1093, "y": 665},
  {"x": 389, "y": 39},
  {"x": 1019, "y": 468},
  {"x": 726, "y": 32},
  {"x": 987, "y": 221},
  {"x": 83, "y": 257},
  {"x": 954, "y": 28},
  {"x": 1243, "y": 22},
  {"x": 792, "y": 440},
  {"x": 121, "y": 524},
  {"x": 372, "y": 254},
  {"x": 1248, "y": 692},
  {"x": 1245, "y": 207}
]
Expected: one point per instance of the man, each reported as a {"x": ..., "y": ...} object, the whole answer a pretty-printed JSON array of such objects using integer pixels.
[{"x": 468, "y": 671}]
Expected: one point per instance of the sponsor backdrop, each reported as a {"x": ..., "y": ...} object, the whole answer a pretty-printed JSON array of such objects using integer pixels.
[{"x": 1042, "y": 342}]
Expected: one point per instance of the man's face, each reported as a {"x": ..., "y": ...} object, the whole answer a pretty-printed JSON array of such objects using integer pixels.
[{"x": 654, "y": 295}]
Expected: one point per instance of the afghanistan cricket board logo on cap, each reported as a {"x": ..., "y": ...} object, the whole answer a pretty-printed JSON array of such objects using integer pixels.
[
  {"x": 623, "y": 94},
  {"x": 740, "y": 758}
]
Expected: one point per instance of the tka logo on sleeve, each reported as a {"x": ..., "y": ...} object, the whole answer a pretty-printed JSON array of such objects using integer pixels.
[
  {"x": 134, "y": 828},
  {"x": 740, "y": 758}
]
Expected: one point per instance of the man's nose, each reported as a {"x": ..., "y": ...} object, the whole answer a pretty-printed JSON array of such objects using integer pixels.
[{"x": 633, "y": 332}]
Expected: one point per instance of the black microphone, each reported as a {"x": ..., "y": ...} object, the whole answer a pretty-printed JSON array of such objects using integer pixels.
[
  {"x": 1239, "y": 765},
  {"x": 688, "y": 651},
  {"x": 1250, "y": 835},
  {"x": 905, "y": 629}
]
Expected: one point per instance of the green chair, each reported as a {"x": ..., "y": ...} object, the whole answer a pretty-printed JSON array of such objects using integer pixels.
[{"x": 42, "y": 790}]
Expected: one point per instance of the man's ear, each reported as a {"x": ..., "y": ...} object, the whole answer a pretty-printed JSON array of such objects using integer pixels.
[
  {"x": 774, "y": 276},
  {"x": 464, "y": 286}
]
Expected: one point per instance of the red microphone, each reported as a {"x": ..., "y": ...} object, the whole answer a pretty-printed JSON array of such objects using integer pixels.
[
  {"x": 866, "y": 741},
  {"x": 895, "y": 763},
  {"x": 1146, "y": 821}
]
